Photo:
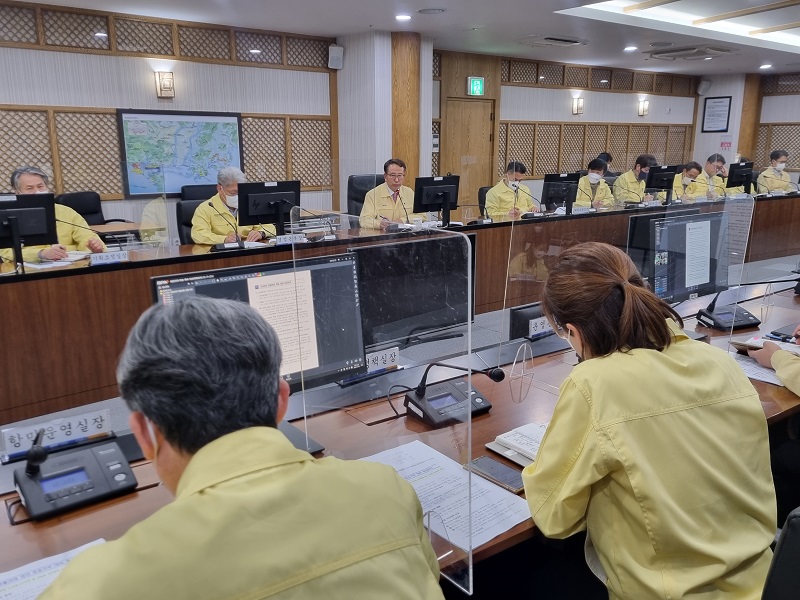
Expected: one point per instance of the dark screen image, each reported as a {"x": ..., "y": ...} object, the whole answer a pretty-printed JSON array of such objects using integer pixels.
[{"x": 640, "y": 243}]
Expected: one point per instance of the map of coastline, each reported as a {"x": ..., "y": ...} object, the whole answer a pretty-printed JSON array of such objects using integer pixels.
[{"x": 165, "y": 152}]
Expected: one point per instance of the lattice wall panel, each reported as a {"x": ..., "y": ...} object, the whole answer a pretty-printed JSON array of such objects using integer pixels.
[
  {"x": 576, "y": 77},
  {"x": 268, "y": 47},
  {"x": 595, "y": 141},
  {"x": 618, "y": 146},
  {"x": 637, "y": 144},
  {"x": 601, "y": 78},
  {"x": 17, "y": 24},
  {"x": 786, "y": 137},
  {"x": 437, "y": 64},
  {"x": 75, "y": 30},
  {"x": 202, "y": 42},
  {"x": 144, "y": 37},
  {"x": 505, "y": 70},
  {"x": 501, "y": 154},
  {"x": 622, "y": 80},
  {"x": 572, "y": 157},
  {"x": 760, "y": 159},
  {"x": 98, "y": 170},
  {"x": 551, "y": 74},
  {"x": 523, "y": 72},
  {"x": 311, "y": 152},
  {"x": 304, "y": 52},
  {"x": 658, "y": 143},
  {"x": 682, "y": 86},
  {"x": 663, "y": 83},
  {"x": 436, "y": 129},
  {"x": 520, "y": 143},
  {"x": 643, "y": 82},
  {"x": 676, "y": 146},
  {"x": 546, "y": 149},
  {"x": 24, "y": 140},
  {"x": 264, "y": 145},
  {"x": 788, "y": 83}
]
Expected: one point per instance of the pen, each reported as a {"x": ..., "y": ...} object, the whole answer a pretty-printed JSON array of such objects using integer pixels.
[
  {"x": 775, "y": 337},
  {"x": 382, "y": 217}
]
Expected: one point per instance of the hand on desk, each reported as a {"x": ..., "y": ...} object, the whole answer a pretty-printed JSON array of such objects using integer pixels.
[
  {"x": 764, "y": 356},
  {"x": 231, "y": 237},
  {"x": 514, "y": 213},
  {"x": 254, "y": 236},
  {"x": 54, "y": 252},
  {"x": 95, "y": 245}
]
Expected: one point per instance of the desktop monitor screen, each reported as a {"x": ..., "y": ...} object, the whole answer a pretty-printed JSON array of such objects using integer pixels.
[
  {"x": 434, "y": 194},
  {"x": 662, "y": 177},
  {"x": 560, "y": 189},
  {"x": 315, "y": 300},
  {"x": 268, "y": 202},
  {"x": 690, "y": 256},
  {"x": 740, "y": 174},
  {"x": 35, "y": 216},
  {"x": 640, "y": 242},
  {"x": 412, "y": 288}
]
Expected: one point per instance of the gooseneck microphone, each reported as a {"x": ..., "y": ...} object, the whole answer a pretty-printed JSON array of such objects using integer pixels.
[
  {"x": 518, "y": 187},
  {"x": 36, "y": 455},
  {"x": 235, "y": 228},
  {"x": 99, "y": 234},
  {"x": 707, "y": 316},
  {"x": 496, "y": 374}
]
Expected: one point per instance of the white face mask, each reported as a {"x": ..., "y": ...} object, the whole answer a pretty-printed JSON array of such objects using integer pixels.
[
  {"x": 687, "y": 180},
  {"x": 594, "y": 178},
  {"x": 780, "y": 167},
  {"x": 232, "y": 201},
  {"x": 513, "y": 184},
  {"x": 42, "y": 192}
]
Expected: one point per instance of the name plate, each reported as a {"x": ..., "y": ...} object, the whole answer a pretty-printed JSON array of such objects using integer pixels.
[
  {"x": 581, "y": 210},
  {"x": 108, "y": 258},
  {"x": 539, "y": 327},
  {"x": 292, "y": 238},
  {"x": 652, "y": 203},
  {"x": 383, "y": 359}
]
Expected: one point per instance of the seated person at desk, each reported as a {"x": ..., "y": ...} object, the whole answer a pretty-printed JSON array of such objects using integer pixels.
[
  {"x": 73, "y": 231},
  {"x": 530, "y": 265},
  {"x": 253, "y": 516},
  {"x": 390, "y": 202},
  {"x": 593, "y": 191},
  {"x": 629, "y": 187},
  {"x": 509, "y": 198},
  {"x": 710, "y": 184},
  {"x": 785, "y": 364},
  {"x": 685, "y": 187},
  {"x": 216, "y": 221},
  {"x": 774, "y": 178},
  {"x": 644, "y": 449},
  {"x": 608, "y": 159}
]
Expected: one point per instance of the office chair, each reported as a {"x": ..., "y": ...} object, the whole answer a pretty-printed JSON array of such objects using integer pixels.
[
  {"x": 357, "y": 188},
  {"x": 610, "y": 179},
  {"x": 88, "y": 205},
  {"x": 482, "y": 199},
  {"x": 782, "y": 580},
  {"x": 198, "y": 192},
  {"x": 184, "y": 210}
]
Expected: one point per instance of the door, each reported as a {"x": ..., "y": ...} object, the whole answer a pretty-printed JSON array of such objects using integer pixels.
[{"x": 467, "y": 146}]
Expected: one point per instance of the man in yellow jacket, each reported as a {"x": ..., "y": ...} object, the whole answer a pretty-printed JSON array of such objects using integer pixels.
[
  {"x": 592, "y": 188},
  {"x": 710, "y": 184},
  {"x": 509, "y": 198},
  {"x": 685, "y": 187},
  {"x": 629, "y": 187},
  {"x": 774, "y": 178}
]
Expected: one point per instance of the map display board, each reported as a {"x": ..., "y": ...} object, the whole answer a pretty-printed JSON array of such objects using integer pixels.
[{"x": 162, "y": 151}]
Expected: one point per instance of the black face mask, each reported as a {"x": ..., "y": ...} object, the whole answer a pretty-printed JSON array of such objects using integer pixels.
[{"x": 642, "y": 175}]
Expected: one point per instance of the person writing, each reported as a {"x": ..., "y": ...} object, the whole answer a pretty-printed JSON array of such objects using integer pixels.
[
  {"x": 217, "y": 222},
  {"x": 509, "y": 198},
  {"x": 592, "y": 188},
  {"x": 644, "y": 449},
  {"x": 390, "y": 202},
  {"x": 72, "y": 229},
  {"x": 246, "y": 521},
  {"x": 785, "y": 364},
  {"x": 685, "y": 187},
  {"x": 775, "y": 178},
  {"x": 630, "y": 186},
  {"x": 710, "y": 184}
]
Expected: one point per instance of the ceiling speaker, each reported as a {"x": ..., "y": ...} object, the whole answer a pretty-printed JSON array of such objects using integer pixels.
[
  {"x": 335, "y": 57},
  {"x": 703, "y": 86}
]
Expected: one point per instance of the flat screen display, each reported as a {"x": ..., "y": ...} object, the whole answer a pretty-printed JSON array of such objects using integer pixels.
[{"x": 64, "y": 481}]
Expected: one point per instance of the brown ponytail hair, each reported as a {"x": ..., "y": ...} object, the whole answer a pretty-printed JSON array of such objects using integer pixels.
[{"x": 597, "y": 288}]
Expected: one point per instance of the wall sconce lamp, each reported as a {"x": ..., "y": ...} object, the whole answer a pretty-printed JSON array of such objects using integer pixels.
[
  {"x": 577, "y": 106},
  {"x": 644, "y": 107},
  {"x": 165, "y": 84}
]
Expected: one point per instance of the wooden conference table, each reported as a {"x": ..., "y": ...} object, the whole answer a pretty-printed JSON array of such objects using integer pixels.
[{"x": 349, "y": 433}]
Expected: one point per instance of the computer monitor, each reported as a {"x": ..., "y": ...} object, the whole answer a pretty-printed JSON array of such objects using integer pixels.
[
  {"x": 560, "y": 189},
  {"x": 261, "y": 203},
  {"x": 434, "y": 194},
  {"x": 690, "y": 256},
  {"x": 662, "y": 177},
  {"x": 27, "y": 219},
  {"x": 741, "y": 174},
  {"x": 640, "y": 243},
  {"x": 315, "y": 300},
  {"x": 412, "y": 288}
]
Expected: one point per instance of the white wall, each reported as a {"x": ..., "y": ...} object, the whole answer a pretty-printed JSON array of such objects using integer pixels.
[
  {"x": 425, "y": 107},
  {"x": 781, "y": 109},
  {"x": 545, "y": 104},
  {"x": 706, "y": 144}
]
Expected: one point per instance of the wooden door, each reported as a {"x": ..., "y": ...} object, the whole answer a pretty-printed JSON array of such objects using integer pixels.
[{"x": 467, "y": 148}]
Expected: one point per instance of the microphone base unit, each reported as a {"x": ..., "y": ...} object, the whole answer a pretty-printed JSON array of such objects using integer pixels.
[
  {"x": 227, "y": 246},
  {"x": 446, "y": 403},
  {"x": 727, "y": 318}
]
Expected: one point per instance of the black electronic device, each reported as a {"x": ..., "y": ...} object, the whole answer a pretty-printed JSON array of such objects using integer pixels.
[
  {"x": 527, "y": 322},
  {"x": 662, "y": 177},
  {"x": 640, "y": 245},
  {"x": 411, "y": 289},
  {"x": 786, "y": 334},
  {"x": 29, "y": 220},
  {"x": 446, "y": 403},
  {"x": 560, "y": 189},
  {"x": 727, "y": 318},
  {"x": 498, "y": 473},
  {"x": 72, "y": 479},
  {"x": 267, "y": 202},
  {"x": 741, "y": 174},
  {"x": 324, "y": 312},
  {"x": 435, "y": 194}
]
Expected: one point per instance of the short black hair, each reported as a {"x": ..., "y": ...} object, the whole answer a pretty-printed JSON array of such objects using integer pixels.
[
  {"x": 606, "y": 156},
  {"x": 693, "y": 165},
  {"x": 597, "y": 164},
  {"x": 715, "y": 158},
  {"x": 516, "y": 167},
  {"x": 393, "y": 161},
  {"x": 646, "y": 160},
  {"x": 776, "y": 154}
]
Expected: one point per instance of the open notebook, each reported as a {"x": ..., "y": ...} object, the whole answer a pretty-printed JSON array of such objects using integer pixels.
[{"x": 520, "y": 444}]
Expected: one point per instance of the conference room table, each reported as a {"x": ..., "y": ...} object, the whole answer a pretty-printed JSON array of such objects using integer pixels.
[{"x": 364, "y": 429}]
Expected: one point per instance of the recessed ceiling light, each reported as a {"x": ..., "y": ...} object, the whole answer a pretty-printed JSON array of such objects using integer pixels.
[
  {"x": 604, "y": 81},
  {"x": 255, "y": 51},
  {"x": 403, "y": 17},
  {"x": 630, "y": 48},
  {"x": 431, "y": 11},
  {"x": 708, "y": 58},
  {"x": 101, "y": 34},
  {"x": 765, "y": 67}
]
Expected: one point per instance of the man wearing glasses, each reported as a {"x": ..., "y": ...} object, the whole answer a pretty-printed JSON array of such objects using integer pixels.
[{"x": 390, "y": 202}]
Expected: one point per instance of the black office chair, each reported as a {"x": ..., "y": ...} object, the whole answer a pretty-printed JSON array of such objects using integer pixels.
[
  {"x": 184, "y": 210},
  {"x": 610, "y": 179},
  {"x": 482, "y": 199},
  {"x": 782, "y": 580},
  {"x": 198, "y": 192},
  {"x": 88, "y": 205},
  {"x": 357, "y": 188}
]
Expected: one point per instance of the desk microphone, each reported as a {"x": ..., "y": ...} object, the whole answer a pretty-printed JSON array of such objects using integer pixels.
[
  {"x": 518, "y": 187},
  {"x": 494, "y": 373},
  {"x": 36, "y": 455},
  {"x": 235, "y": 229},
  {"x": 708, "y": 316},
  {"x": 97, "y": 233},
  {"x": 634, "y": 192}
]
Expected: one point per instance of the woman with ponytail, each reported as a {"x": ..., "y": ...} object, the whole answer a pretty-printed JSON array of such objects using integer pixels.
[{"x": 658, "y": 444}]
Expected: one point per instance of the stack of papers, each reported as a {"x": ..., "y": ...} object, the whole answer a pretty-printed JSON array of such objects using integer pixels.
[{"x": 525, "y": 439}]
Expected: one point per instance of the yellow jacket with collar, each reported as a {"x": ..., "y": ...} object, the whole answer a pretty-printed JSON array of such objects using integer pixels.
[
  {"x": 211, "y": 227},
  {"x": 501, "y": 199},
  {"x": 378, "y": 203},
  {"x": 771, "y": 180},
  {"x": 602, "y": 193}
]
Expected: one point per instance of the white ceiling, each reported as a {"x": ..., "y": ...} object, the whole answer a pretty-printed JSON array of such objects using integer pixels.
[{"x": 511, "y": 27}]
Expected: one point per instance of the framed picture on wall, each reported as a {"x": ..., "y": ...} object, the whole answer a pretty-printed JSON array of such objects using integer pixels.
[
  {"x": 716, "y": 114},
  {"x": 164, "y": 150}
]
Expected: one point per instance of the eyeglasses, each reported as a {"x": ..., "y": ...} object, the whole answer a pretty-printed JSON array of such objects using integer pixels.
[{"x": 395, "y": 175}]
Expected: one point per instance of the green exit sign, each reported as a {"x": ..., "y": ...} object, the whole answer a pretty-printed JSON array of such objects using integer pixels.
[{"x": 474, "y": 86}]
